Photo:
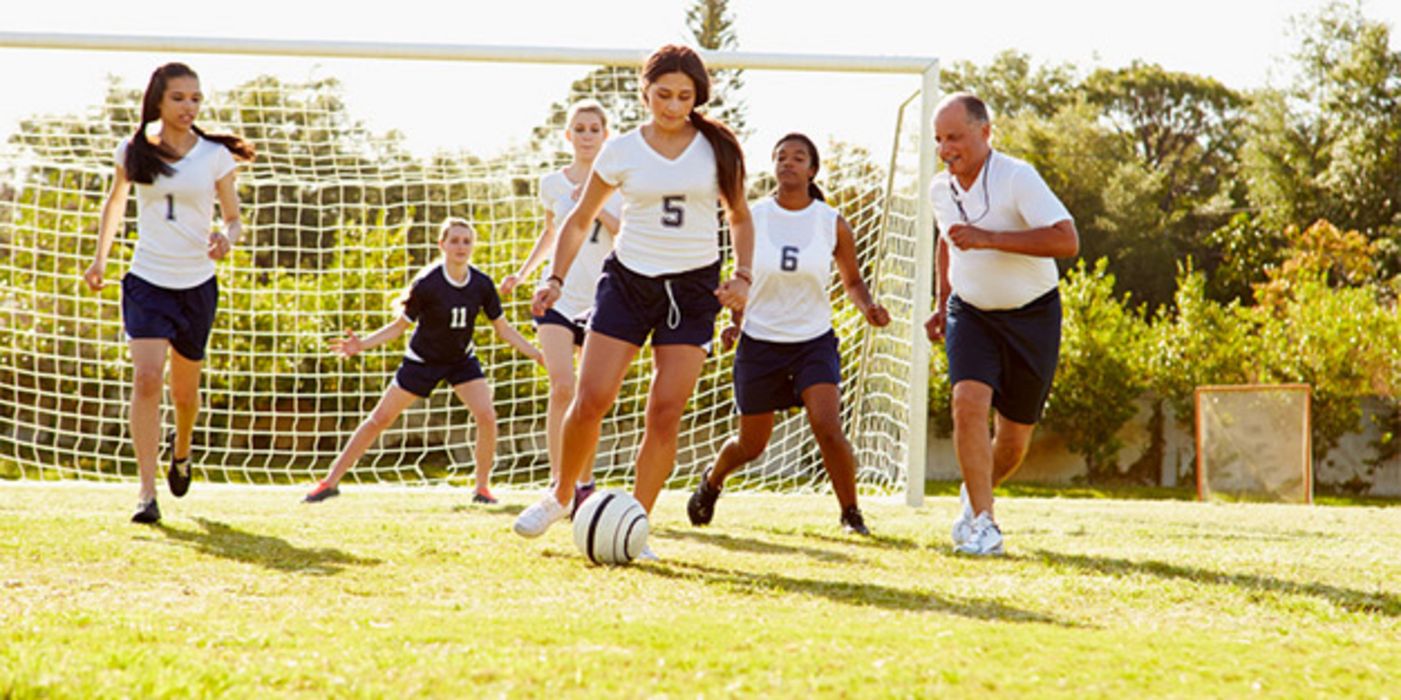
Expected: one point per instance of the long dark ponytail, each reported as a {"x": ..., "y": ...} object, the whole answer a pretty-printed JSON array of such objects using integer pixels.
[
  {"x": 729, "y": 157},
  {"x": 813, "y": 190},
  {"x": 145, "y": 161}
]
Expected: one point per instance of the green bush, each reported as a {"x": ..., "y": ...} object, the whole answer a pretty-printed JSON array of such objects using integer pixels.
[{"x": 1100, "y": 372}]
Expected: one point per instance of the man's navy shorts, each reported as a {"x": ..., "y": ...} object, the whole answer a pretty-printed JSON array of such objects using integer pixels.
[{"x": 1014, "y": 351}]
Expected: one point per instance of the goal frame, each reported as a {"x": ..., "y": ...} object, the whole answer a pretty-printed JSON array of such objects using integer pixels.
[{"x": 927, "y": 68}]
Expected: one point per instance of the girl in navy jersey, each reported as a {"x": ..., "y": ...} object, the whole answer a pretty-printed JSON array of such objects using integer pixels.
[
  {"x": 561, "y": 328},
  {"x": 787, "y": 353},
  {"x": 663, "y": 279},
  {"x": 443, "y": 302},
  {"x": 169, "y": 295}
]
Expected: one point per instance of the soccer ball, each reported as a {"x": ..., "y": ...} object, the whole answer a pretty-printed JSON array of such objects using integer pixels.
[{"x": 611, "y": 528}]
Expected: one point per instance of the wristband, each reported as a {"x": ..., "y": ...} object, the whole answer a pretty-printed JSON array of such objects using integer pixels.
[
  {"x": 556, "y": 279},
  {"x": 743, "y": 274}
]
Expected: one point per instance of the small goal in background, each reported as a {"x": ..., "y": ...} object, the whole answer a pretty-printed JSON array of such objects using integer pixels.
[{"x": 1253, "y": 443}]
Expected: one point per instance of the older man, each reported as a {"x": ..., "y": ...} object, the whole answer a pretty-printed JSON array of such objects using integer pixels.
[{"x": 998, "y": 307}]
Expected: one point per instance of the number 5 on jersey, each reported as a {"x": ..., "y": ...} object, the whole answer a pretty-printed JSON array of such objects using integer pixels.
[{"x": 673, "y": 213}]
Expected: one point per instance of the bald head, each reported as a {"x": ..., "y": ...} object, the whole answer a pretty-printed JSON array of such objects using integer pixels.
[{"x": 970, "y": 106}]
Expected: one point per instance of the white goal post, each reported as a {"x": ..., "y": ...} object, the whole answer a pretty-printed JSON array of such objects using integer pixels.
[{"x": 336, "y": 229}]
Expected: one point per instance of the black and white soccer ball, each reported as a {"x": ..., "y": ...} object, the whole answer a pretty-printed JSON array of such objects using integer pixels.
[{"x": 611, "y": 528}]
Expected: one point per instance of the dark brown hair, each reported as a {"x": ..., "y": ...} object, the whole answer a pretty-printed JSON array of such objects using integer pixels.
[
  {"x": 813, "y": 190},
  {"x": 145, "y": 161},
  {"x": 729, "y": 157}
]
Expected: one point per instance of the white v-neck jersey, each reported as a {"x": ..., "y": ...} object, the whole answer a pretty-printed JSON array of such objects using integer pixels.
[
  {"x": 576, "y": 296},
  {"x": 671, "y": 208},
  {"x": 174, "y": 214}
]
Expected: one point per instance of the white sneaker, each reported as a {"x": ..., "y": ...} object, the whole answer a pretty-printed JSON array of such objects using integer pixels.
[
  {"x": 535, "y": 520},
  {"x": 985, "y": 540},
  {"x": 647, "y": 554},
  {"x": 963, "y": 526}
]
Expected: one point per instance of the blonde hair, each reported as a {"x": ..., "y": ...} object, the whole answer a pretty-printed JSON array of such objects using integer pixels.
[
  {"x": 587, "y": 104},
  {"x": 453, "y": 222}
]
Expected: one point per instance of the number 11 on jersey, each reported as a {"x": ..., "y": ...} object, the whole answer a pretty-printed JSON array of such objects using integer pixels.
[{"x": 459, "y": 317}]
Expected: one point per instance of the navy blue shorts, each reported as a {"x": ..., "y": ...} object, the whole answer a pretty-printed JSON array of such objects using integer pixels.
[
  {"x": 1013, "y": 351},
  {"x": 182, "y": 316},
  {"x": 772, "y": 376},
  {"x": 676, "y": 309},
  {"x": 555, "y": 318},
  {"x": 421, "y": 379}
]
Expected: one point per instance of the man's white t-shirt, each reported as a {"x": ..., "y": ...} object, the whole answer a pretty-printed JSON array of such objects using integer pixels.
[
  {"x": 173, "y": 217},
  {"x": 1008, "y": 196},
  {"x": 576, "y": 296},
  {"x": 671, "y": 208}
]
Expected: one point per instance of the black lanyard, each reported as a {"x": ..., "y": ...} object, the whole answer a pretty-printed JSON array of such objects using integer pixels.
[{"x": 987, "y": 202}]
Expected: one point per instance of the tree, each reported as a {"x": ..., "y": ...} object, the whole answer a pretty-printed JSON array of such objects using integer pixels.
[
  {"x": 1012, "y": 87},
  {"x": 1329, "y": 145}
]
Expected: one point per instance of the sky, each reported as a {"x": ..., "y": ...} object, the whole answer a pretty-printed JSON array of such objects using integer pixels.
[{"x": 484, "y": 108}]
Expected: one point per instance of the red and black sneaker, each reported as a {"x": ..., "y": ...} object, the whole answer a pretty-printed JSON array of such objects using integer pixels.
[
  {"x": 322, "y": 492},
  {"x": 484, "y": 497}
]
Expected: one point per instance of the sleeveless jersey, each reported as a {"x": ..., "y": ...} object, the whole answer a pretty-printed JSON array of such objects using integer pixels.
[{"x": 793, "y": 251}]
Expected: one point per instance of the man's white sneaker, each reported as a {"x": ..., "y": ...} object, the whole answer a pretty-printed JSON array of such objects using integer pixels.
[
  {"x": 535, "y": 520},
  {"x": 985, "y": 540},
  {"x": 963, "y": 526}
]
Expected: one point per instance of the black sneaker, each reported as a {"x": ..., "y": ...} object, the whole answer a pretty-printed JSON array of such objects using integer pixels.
[
  {"x": 147, "y": 513},
  {"x": 581, "y": 494},
  {"x": 484, "y": 498},
  {"x": 853, "y": 522},
  {"x": 178, "y": 477},
  {"x": 322, "y": 492},
  {"x": 701, "y": 507}
]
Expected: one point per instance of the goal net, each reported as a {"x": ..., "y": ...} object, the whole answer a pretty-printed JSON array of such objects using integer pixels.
[
  {"x": 338, "y": 220},
  {"x": 1253, "y": 443}
]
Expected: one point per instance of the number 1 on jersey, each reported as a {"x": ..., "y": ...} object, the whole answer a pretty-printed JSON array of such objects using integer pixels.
[{"x": 170, "y": 207}]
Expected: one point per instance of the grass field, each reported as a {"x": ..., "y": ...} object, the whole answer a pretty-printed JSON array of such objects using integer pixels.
[{"x": 383, "y": 593}]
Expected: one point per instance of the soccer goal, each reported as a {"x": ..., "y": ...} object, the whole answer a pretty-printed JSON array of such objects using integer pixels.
[
  {"x": 339, "y": 217},
  {"x": 1253, "y": 443}
]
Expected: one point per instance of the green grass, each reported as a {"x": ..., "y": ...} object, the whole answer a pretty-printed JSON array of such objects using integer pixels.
[{"x": 381, "y": 593}]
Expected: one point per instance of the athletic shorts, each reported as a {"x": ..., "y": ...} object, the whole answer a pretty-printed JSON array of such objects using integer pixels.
[
  {"x": 675, "y": 309},
  {"x": 1013, "y": 351},
  {"x": 420, "y": 379},
  {"x": 555, "y": 318},
  {"x": 182, "y": 316},
  {"x": 772, "y": 376}
]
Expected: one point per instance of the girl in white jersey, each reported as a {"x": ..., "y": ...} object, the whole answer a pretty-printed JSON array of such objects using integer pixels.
[
  {"x": 662, "y": 280},
  {"x": 169, "y": 295},
  {"x": 561, "y": 328},
  {"x": 787, "y": 349}
]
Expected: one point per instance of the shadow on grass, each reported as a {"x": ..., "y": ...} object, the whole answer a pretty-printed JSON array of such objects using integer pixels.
[
  {"x": 220, "y": 540},
  {"x": 742, "y": 544},
  {"x": 876, "y": 540},
  {"x": 1346, "y": 598},
  {"x": 849, "y": 593},
  {"x": 512, "y": 509}
]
